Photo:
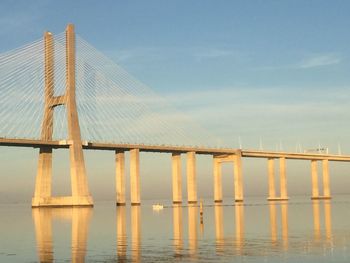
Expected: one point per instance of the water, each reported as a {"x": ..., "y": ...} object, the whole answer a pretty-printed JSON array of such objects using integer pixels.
[{"x": 298, "y": 231}]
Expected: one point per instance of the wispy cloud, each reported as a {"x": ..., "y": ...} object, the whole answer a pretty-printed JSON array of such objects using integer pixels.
[
  {"x": 320, "y": 60},
  {"x": 273, "y": 113},
  {"x": 198, "y": 53},
  {"x": 308, "y": 62}
]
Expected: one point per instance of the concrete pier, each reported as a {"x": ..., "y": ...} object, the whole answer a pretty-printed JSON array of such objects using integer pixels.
[
  {"x": 283, "y": 179},
  {"x": 120, "y": 177},
  {"x": 191, "y": 178},
  {"x": 314, "y": 180},
  {"x": 326, "y": 186},
  {"x": 271, "y": 176},
  {"x": 177, "y": 178},
  {"x": 135, "y": 177},
  {"x": 238, "y": 180},
  {"x": 217, "y": 180},
  {"x": 44, "y": 177}
]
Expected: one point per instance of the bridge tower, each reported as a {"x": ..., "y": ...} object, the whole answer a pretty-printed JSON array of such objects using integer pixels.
[{"x": 80, "y": 191}]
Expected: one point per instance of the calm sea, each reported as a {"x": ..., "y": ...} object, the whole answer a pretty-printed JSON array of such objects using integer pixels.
[{"x": 300, "y": 230}]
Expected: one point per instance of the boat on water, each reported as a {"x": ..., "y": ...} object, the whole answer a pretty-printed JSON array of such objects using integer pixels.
[{"x": 157, "y": 207}]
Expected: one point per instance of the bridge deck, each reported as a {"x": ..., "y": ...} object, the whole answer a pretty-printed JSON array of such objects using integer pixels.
[{"x": 14, "y": 142}]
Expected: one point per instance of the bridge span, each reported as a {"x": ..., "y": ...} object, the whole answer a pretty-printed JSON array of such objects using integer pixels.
[
  {"x": 218, "y": 152},
  {"x": 220, "y": 155},
  {"x": 51, "y": 66}
]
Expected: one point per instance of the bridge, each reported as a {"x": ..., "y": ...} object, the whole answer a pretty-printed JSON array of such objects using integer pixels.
[{"x": 55, "y": 94}]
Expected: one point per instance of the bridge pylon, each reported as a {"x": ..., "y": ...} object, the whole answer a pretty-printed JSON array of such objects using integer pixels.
[{"x": 80, "y": 191}]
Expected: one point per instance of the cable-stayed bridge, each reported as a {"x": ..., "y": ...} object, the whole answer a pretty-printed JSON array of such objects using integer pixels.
[{"x": 60, "y": 92}]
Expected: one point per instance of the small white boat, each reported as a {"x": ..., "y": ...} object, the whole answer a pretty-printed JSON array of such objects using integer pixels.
[{"x": 157, "y": 207}]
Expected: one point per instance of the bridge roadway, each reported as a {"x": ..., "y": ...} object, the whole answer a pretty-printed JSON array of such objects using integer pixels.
[{"x": 222, "y": 152}]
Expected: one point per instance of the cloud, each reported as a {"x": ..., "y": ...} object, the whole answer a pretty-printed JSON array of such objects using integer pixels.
[
  {"x": 320, "y": 61},
  {"x": 197, "y": 53},
  {"x": 308, "y": 62},
  {"x": 287, "y": 113}
]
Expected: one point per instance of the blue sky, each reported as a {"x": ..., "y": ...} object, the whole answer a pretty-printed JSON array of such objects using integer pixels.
[
  {"x": 276, "y": 71},
  {"x": 200, "y": 44}
]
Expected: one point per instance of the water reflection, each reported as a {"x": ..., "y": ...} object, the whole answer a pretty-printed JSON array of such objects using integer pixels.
[
  {"x": 189, "y": 246},
  {"x": 284, "y": 219},
  {"x": 219, "y": 228},
  {"x": 317, "y": 224},
  {"x": 192, "y": 229},
  {"x": 327, "y": 219},
  {"x": 121, "y": 233},
  {"x": 136, "y": 233},
  {"x": 43, "y": 231},
  {"x": 284, "y": 223},
  {"x": 273, "y": 222},
  {"x": 239, "y": 222},
  {"x": 80, "y": 218},
  {"x": 177, "y": 229}
]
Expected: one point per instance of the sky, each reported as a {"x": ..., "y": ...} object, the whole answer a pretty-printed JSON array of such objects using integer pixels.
[{"x": 271, "y": 74}]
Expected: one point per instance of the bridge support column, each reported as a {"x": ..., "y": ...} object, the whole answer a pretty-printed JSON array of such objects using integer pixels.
[
  {"x": 326, "y": 187},
  {"x": 283, "y": 179},
  {"x": 238, "y": 180},
  {"x": 177, "y": 178},
  {"x": 135, "y": 176},
  {"x": 314, "y": 180},
  {"x": 44, "y": 176},
  {"x": 80, "y": 192},
  {"x": 217, "y": 180},
  {"x": 120, "y": 177},
  {"x": 191, "y": 178},
  {"x": 271, "y": 175}
]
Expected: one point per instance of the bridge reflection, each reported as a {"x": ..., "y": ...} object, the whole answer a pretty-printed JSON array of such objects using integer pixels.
[
  {"x": 277, "y": 213},
  {"x": 185, "y": 238},
  {"x": 219, "y": 228},
  {"x": 327, "y": 220},
  {"x": 177, "y": 229},
  {"x": 283, "y": 205},
  {"x": 43, "y": 218}
]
